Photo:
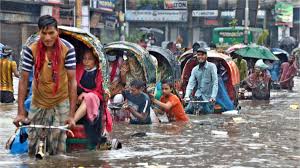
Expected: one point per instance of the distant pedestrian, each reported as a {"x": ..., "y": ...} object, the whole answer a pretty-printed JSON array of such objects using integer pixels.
[
  {"x": 242, "y": 66},
  {"x": 287, "y": 72},
  {"x": 7, "y": 67}
]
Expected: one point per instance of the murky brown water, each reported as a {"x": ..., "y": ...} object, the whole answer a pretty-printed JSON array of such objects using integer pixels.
[{"x": 266, "y": 134}]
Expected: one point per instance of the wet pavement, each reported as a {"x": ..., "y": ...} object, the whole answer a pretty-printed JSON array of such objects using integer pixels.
[{"x": 265, "y": 134}]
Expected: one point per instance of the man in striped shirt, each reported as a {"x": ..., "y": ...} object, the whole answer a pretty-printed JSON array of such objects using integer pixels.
[{"x": 54, "y": 86}]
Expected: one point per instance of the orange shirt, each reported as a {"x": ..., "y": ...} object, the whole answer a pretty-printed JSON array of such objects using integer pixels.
[{"x": 176, "y": 113}]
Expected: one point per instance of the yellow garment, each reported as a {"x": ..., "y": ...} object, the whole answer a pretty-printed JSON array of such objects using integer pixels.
[
  {"x": 7, "y": 67},
  {"x": 43, "y": 95},
  {"x": 243, "y": 68}
]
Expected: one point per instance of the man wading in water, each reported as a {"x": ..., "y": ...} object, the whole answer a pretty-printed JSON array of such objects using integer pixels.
[{"x": 54, "y": 86}]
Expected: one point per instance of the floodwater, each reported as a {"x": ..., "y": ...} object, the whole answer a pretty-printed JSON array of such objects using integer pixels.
[{"x": 265, "y": 134}]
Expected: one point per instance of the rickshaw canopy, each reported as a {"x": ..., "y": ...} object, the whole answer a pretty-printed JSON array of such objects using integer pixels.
[
  {"x": 142, "y": 55},
  {"x": 169, "y": 59},
  {"x": 232, "y": 70}
]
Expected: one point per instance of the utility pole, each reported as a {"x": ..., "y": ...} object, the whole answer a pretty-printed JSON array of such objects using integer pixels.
[
  {"x": 190, "y": 23},
  {"x": 78, "y": 13},
  {"x": 246, "y": 29}
]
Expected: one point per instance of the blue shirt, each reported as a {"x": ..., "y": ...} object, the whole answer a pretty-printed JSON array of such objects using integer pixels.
[
  {"x": 141, "y": 103},
  {"x": 206, "y": 79}
]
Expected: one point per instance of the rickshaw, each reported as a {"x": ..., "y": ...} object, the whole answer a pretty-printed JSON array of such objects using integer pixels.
[
  {"x": 82, "y": 40},
  {"x": 167, "y": 67},
  {"x": 232, "y": 84},
  {"x": 141, "y": 55},
  {"x": 138, "y": 56}
]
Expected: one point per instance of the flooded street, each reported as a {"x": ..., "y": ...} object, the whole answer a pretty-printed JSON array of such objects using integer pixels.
[{"x": 265, "y": 134}]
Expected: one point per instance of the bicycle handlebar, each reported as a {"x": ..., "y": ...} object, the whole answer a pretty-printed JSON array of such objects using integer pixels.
[
  {"x": 63, "y": 128},
  {"x": 199, "y": 101}
]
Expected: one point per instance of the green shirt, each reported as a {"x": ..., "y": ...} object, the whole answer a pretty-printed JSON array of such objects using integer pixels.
[{"x": 243, "y": 68}]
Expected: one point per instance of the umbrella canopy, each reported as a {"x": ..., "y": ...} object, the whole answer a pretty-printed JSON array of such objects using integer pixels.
[
  {"x": 151, "y": 30},
  {"x": 277, "y": 51},
  {"x": 256, "y": 51},
  {"x": 1, "y": 45},
  {"x": 288, "y": 43},
  {"x": 281, "y": 54},
  {"x": 235, "y": 47}
]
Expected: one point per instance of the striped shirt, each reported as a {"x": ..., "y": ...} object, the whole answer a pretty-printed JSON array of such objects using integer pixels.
[{"x": 70, "y": 59}]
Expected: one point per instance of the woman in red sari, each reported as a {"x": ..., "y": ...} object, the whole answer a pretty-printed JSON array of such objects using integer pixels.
[{"x": 90, "y": 91}]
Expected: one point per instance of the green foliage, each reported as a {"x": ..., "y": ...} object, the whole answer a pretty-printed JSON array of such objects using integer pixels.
[
  {"x": 134, "y": 36},
  {"x": 233, "y": 23},
  {"x": 105, "y": 38},
  {"x": 263, "y": 37}
]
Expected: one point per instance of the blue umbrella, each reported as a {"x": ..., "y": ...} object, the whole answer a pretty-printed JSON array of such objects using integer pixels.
[
  {"x": 277, "y": 51},
  {"x": 1, "y": 45},
  {"x": 280, "y": 53}
]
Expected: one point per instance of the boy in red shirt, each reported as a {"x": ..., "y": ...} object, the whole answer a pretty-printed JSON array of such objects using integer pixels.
[{"x": 170, "y": 104}]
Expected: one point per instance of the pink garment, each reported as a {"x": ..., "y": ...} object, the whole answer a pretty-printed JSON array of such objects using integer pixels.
[
  {"x": 287, "y": 71},
  {"x": 92, "y": 102}
]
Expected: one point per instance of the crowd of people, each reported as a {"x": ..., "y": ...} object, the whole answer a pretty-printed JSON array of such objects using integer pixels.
[{"x": 66, "y": 92}]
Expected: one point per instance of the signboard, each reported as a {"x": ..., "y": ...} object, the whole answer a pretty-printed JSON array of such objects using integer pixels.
[
  {"x": 210, "y": 22},
  {"x": 205, "y": 13},
  {"x": 50, "y": 1},
  {"x": 175, "y": 4},
  {"x": 228, "y": 14},
  {"x": 105, "y": 5},
  {"x": 157, "y": 15},
  {"x": 231, "y": 34},
  {"x": 284, "y": 14},
  {"x": 261, "y": 14}
]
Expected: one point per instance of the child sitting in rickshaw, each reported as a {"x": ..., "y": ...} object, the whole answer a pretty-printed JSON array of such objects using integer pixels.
[{"x": 90, "y": 95}]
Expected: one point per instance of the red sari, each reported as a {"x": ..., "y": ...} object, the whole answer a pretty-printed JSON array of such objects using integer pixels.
[{"x": 99, "y": 91}]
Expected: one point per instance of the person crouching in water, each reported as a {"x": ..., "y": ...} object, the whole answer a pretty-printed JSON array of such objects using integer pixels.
[
  {"x": 137, "y": 103},
  {"x": 90, "y": 96},
  {"x": 170, "y": 103},
  {"x": 259, "y": 81}
]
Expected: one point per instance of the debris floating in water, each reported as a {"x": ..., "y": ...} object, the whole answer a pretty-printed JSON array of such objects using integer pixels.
[
  {"x": 255, "y": 135},
  {"x": 221, "y": 134},
  {"x": 239, "y": 120},
  {"x": 294, "y": 106},
  {"x": 231, "y": 112}
]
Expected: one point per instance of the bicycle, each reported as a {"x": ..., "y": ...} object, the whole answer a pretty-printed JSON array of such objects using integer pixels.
[
  {"x": 117, "y": 114},
  {"x": 41, "y": 150},
  {"x": 196, "y": 104}
]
